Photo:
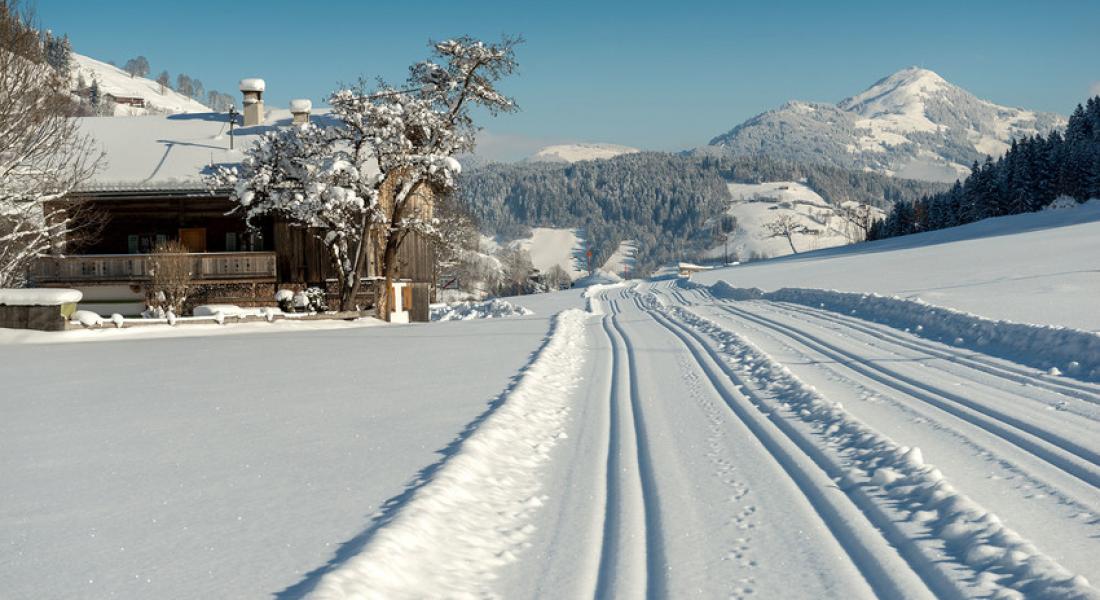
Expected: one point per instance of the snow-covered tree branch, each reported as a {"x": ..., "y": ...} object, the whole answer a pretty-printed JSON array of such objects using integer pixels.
[
  {"x": 43, "y": 155},
  {"x": 368, "y": 182}
]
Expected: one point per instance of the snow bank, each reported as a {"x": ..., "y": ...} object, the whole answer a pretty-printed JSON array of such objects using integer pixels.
[
  {"x": 87, "y": 318},
  {"x": 232, "y": 310},
  {"x": 490, "y": 309},
  {"x": 896, "y": 477},
  {"x": 39, "y": 297},
  {"x": 599, "y": 277},
  {"x": 1072, "y": 351},
  {"x": 475, "y": 513}
]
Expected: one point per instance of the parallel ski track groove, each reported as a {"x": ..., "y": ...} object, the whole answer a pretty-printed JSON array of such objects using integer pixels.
[
  {"x": 656, "y": 561},
  {"x": 1010, "y": 373},
  {"x": 1050, "y": 447},
  {"x": 882, "y": 577}
]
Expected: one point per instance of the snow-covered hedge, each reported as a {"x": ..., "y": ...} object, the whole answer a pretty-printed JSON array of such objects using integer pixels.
[
  {"x": 39, "y": 297},
  {"x": 490, "y": 309},
  {"x": 1072, "y": 351}
]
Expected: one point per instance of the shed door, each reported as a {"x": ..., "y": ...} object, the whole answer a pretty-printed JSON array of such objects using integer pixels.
[{"x": 194, "y": 238}]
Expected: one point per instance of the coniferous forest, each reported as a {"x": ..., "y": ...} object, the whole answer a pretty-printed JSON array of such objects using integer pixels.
[
  {"x": 667, "y": 203},
  {"x": 1033, "y": 173}
]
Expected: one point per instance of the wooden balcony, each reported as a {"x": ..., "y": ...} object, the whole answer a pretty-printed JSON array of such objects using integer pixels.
[{"x": 211, "y": 267}]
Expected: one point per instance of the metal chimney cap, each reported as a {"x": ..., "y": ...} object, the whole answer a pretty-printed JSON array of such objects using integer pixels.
[{"x": 301, "y": 105}]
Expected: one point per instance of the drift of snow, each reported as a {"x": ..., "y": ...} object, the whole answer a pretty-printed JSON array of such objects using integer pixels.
[
  {"x": 39, "y": 296},
  {"x": 477, "y": 510},
  {"x": 490, "y": 309}
]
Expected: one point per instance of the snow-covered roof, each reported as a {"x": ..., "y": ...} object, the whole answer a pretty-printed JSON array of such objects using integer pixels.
[
  {"x": 301, "y": 105},
  {"x": 160, "y": 152},
  {"x": 253, "y": 84}
]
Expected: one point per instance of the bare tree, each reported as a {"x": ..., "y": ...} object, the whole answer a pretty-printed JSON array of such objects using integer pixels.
[
  {"x": 170, "y": 277},
  {"x": 43, "y": 155},
  {"x": 137, "y": 67},
  {"x": 786, "y": 226},
  {"x": 368, "y": 182},
  {"x": 516, "y": 270},
  {"x": 184, "y": 84},
  {"x": 858, "y": 219},
  {"x": 557, "y": 278},
  {"x": 165, "y": 81}
]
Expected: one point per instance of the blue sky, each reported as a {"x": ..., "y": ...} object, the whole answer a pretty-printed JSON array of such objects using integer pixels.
[{"x": 656, "y": 75}]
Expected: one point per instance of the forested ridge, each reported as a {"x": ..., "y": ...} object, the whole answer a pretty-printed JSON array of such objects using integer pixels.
[
  {"x": 1034, "y": 172},
  {"x": 667, "y": 203}
]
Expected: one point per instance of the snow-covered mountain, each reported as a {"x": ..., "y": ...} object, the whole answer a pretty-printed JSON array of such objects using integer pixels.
[
  {"x": 570, "y": 153},
  {"x": 912, "y": 124},
  {"x": 113, "y": 80}
]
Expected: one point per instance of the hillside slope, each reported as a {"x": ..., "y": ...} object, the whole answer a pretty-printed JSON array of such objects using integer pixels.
[
  {"x": 1031, "y": 268},
  {"x": 912, "y": 124},
  {"x": 754, "y": 205},
  {"x": 113, "y": 80}
]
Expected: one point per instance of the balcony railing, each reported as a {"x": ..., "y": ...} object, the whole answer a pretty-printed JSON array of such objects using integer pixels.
[{"x": 205, "y": 266}]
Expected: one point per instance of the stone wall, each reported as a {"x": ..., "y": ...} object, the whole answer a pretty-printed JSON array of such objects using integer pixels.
[{"x": 41, "y": 318}]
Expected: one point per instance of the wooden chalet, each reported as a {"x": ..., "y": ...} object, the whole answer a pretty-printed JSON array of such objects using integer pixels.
[{"x": 154, "y": 193}]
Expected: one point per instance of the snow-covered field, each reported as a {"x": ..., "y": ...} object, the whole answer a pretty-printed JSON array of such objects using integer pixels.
[
  {"x": 1032, "y": 268},
  {"x": 548, "y": 247},
  {"x": 643, "y": 439},
  {"x": 756, "y": 204}
]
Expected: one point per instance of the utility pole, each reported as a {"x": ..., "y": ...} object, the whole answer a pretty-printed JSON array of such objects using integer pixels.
[{"x": 232, "y": 122}]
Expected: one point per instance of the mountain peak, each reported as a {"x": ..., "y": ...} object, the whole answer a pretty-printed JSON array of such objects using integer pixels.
[
  {"x": 912, "y": 123},
  {"x": 582, "y": 151},
  {"x": 896, "y": 92}
]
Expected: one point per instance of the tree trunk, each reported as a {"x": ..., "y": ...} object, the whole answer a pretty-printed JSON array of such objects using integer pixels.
[
  {"x": 790, "y": 240},
  {"x": 389, "y": 265},
  {"x": 350, "y": 290}
]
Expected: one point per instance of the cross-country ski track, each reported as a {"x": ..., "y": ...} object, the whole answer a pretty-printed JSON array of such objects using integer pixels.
[{"x": 720, "y": 448}]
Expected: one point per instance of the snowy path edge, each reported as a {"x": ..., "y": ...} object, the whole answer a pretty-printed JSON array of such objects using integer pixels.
[
  {"x": 475, "y": 513},
  {"x": 1066, "y": 350}
]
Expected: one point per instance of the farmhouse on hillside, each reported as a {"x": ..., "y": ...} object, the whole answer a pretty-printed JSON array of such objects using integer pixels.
[{"x": 152, "y": 190}]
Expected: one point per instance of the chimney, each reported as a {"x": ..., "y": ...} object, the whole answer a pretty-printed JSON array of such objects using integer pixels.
[
  {"x": 253, "y": 89},
  {"x": 301, "y": 108}
]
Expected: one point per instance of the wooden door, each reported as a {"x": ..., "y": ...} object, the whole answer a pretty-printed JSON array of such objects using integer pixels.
[{"x": 194, "y": 238}]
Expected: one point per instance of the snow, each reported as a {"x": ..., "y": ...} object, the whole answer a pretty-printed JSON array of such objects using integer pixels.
[
  {"x": 756, "y": 204},
  {"x": 571, "y": 153},
  {"x": 1030, "y": 268},
  {"x": 253, "y": 84},
  {"x": 39, "y": 296},
  {"x": 113, "y": 80},
  {"x": 231, "y": 461},
  {"x": 158, "y": 151},
  {"x": 301, "y": 105},
  {"x": 621, "y": 262},
  {"x": 475, "y": 512},
  {"x": 86, "y": 318},
  {"x": 464, "y": 311},
  {"x": 803, "y": 427},
  {"x": 551, "y": 247}
]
